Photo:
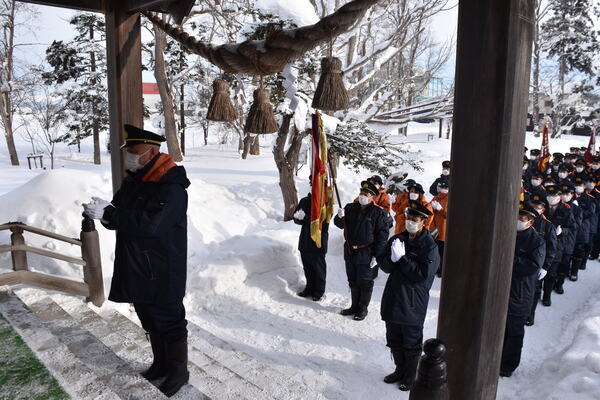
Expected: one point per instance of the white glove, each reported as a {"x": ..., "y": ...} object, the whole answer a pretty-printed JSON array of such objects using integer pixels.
[
  {"x": 341, "y": 213},
  {"x": 299, "y": 215},
  {"x": 541, "y": 274},
  {"x": 398, "y": 250},
  {"x": 436, "y": 206},
  {"x": 558, "y": 230},
  {"x": 373, "y": 262},
  {"x": 575, "y": 202},
  {"x": 393, "y": 198},
  {"x": 95, "y": 208}
]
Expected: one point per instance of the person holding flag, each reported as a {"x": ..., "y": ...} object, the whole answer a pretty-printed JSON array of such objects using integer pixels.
[{"x": 314, "y": 213}]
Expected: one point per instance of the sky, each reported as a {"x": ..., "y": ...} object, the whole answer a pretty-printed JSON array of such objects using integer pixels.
[{"x": 51, "y": 24}]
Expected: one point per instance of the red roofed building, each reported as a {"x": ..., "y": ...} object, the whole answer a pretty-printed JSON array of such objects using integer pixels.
[{"x": 151, "y": 95}]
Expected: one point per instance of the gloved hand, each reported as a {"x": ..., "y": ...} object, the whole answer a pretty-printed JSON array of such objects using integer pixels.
[
  {"x": 299, "y": 215},
  {"x": 436, "y": 206},
  {"x": 392, "y": 198},
  {"x": 95, "y": 208},
  {"x": 373, "y": 262},
  {"x": 558, "y": 230},
  {"x": 398, "y": 250},
  {"x": 542, "y": 274},
  {"x": 341, "y": 213}
]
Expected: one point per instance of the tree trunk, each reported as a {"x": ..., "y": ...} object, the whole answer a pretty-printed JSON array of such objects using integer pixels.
[
  {"x": 286, "y": 165},
  {"x": 247, "y": 143},
  {"x": 255, "y": 147},
  {"x": 166, "y": 98},
  {"x": 96, "y": 125},
  {"x": 536, "y": 76},
  {"x": 5, "y": 101},
  {"x": 205, "y": 129},
  {"x": 558, "y": 117}
]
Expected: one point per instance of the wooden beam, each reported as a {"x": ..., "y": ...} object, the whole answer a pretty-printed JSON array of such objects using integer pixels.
[
  {"x": 42, "y": 232},
  {"x": 490, "y": 108},
  {"x": 41, "y": 252},
  {"x": 124, "y": 59},
  {"x": 83, "y": 5},
  {"x": 44, "y": 281}
]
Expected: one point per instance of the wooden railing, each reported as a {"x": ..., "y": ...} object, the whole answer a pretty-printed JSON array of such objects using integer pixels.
[{"x": 92, "y": 286}]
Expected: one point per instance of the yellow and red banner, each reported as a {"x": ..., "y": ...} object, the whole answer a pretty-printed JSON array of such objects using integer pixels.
[
  {"x": 545, "y": 150},
  {"x": 591, "y": 149},
  {"x": 321, "y": 208}
]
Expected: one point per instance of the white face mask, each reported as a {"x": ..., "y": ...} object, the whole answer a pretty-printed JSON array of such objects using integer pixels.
[
  {"x": 525, "y": 166},
  {"x": 536, "y": 182},
  {"x": 413, "y": 196},
  {"x": 411, "y": 226},
  {"x": 555, "y": 167},
  {"x": 567, "y": 197},
  {"x": 562, "y": 175},
  {"x": 446, "y": 172},
  {"x": 590, "y": 185},
  {"x": 579, "y": 169},
  {"x": 579, "y": 189},
  {"x": 533, "y": 158},
  {"x": 595, "y": 166},
  {"x": 521, "y": 226},
  {"x": 443, "y": 190},
  {"x": 363, "y": 200},
  {"x": 553, "y": 200},
  {"x": 540, "y": 211},
  {"x": 132, "y": 161}
]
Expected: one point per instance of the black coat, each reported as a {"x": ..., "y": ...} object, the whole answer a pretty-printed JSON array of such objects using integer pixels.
[
  {"x": 594, "y": 219},
  {"x": 305, "y": 243},
  {"x": 151, "y": 248},
  {"x": 530, "y": 252},
  {"x": 548, "y": 232},
  {"x": 563, "y": 217},
  {"x": 433, "y": 188},
  {"x": 587, "y": 204},
  {"x": 367, "y": 233},
  {"x": 406, "y": 294}
]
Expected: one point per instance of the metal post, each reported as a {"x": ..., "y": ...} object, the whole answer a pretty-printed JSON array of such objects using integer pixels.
[
  {"x": 92, "y": 270},
  {"x": 19, "y": 257},
  {"x": 432, "y": 373}
]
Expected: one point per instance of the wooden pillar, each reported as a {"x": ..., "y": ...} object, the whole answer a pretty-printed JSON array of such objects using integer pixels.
[
  {"x": 490, "y": 111},
  {"x": 19, "y": 257},
  {"x": 124, "y": 60}
]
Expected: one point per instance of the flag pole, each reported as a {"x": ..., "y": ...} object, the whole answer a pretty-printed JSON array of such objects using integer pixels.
[{"x": 337, "y": 193}]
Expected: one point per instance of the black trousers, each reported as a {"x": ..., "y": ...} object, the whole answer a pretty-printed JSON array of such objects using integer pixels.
[
  {"x": 361, "y": 276},
  {"x": 315, "y": 271},
  {"x": 167, "y": 320},
  {"x": 595, "y": 245},
  {"x": 440, "y": 245},
  {"x": 406, "y": 343},
  {"x": 513, "y": 343}
]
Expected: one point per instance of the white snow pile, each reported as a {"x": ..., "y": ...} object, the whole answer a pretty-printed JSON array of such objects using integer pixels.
[{"x": 301, "y": 12}]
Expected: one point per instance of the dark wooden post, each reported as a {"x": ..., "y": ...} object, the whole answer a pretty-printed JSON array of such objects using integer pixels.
[
  {"x": 124, "y": 60},
  {"x": 490, "y": 111},
  {"x": 432, "y": 374},
  {"x": 92, "y": 270},
  {"x": 19, "y": 257},
  {"x": 441, "y": 126}
]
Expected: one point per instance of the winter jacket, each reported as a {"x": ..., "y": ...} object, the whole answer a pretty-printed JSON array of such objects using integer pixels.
[
  {"x": 433, "y": 188},
  {"x": 562, "y": 216},
  {"x": 595, "y": 195},
  {"x": 400, "y": 205},
  {"x": 587, "y": 204},
  {"x": 305, "y": 243},
  {"x": 149, "y": 215},
  {"x": 406, "y": 294},
  {"x": 439, "y": 217},
  {"x": 530, "y": 252},
  {"x": 367, "y": 232},
  {"x": 548, "y": 232}
]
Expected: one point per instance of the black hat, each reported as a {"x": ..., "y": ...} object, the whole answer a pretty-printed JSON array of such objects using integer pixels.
[
  {"x": 525, "y": 160},
  {"x": 409, "y": 182},
  {"x": 369, "y": 187},
  {"x": 596, "y": 159},
  {"x": 526, "y": 148},
  {"x": 563, "y": 167},
  {"x": 578, "y": 181},
  {"x": 135, "y": 136},
  {"x": 537, "y": 199},
  {"x": 418, "y": 210},
  {"x": 416, "y": 186},
  {"x": 526, "y": 209},
  {"x": 446, "y": 164},
  {"x": 567, "y": 187},
  {"x": 537, "y": 174},
  {"x": 580, "y": 162},
  {"x": 535, "y": 152},
  {"x": 553, "y": 190},
  {"x": 572, "y": 149},
  {"x": 558, "y": 155},
  {"x": 549, "y": 179},
  {"x": 376, "y": 179},
  {"x": 443, "y": 184},
  {"x": 583, "y": 148},
  {"x": 590, "y": 178}
]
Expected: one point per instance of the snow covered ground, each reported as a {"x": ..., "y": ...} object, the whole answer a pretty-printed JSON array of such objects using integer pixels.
[{"x": 244, "y": 271}]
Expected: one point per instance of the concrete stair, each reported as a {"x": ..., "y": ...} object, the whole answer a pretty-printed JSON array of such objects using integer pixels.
[{"x": 104, "y": 351}]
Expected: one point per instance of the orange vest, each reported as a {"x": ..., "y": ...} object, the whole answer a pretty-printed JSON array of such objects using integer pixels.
[
  {"x": 439, "y": 217},
  {"x": 400, "y": 205}
]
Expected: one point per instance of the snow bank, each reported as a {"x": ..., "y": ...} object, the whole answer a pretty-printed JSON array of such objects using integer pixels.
[{"x": 301, "y": 12}]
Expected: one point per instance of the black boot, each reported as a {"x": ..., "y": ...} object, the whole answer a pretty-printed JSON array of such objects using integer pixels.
[
  {"x": 398, "y": 373},
  {"x": 558, "y": 286},
  {"x": 177, "y": 359},
  {"x": 583, "y": 264},
  {"x": 363, "y": 304},
  {"x": 575, "y": 267},
  {"x": 410, "y": 373},
  {"x": 531, "y": 319},
  {"x": 547, "y": 296},
  {"x": 355, "y": 294},
  {"x": 158, "y": 368}
]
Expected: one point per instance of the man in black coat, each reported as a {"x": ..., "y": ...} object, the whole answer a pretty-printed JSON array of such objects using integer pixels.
[
  {"x": 313, "y": 257},
  {"x": 548, "y": 232},
  {"x": 444, "y": 177},
  {"x": 530, "y": 252},
  {"x": 587, "y": 204},
  {"x": 579, "y": 234},
  {"x": 366, "y": 232},
  {"x": 412, "y": 259},
  {"x": 149, "y": 214},
  {"x": 561, "y": 216}
]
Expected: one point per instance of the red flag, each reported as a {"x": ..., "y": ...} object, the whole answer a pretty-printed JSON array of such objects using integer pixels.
[
  {"x": 591, "y": 150},
  {"x": 321, "y": 208},
  {"x": 545, "y": 156}
]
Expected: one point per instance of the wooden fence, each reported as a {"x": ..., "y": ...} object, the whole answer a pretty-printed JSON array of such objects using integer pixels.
[{"x": 92, "y": 286}]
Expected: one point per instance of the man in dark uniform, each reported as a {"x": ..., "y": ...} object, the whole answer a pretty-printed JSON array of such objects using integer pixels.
[
  {"x": 593, "y": 245},
  {"x": 366, "y": 232},
  {"x": 412, "y": 259},
  {"x": 313, "y": 257},
  {"x": 149, "y": 214},
  {"x": 530, "y": 252},
  {"x": 445, "y": 176},
  {"x": 587, "y": 204},
  {"x": 548, "y": 233},
  {"x": 580, "y": 171},
  {"x": 526, "y": 171},
  {"x": 575, "y": 236},
  {"x": 563, "y": 174},
  {"x": 535, "y": 185},
  {"x": 561, "y": 216},
  {"x": 534, "y": 157}
]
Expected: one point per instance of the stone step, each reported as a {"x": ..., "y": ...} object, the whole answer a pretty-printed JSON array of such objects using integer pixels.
[
  {"x": 56, "y": 356},
  {"x": 107, "y": 367},
  {"x": 128, "y": 340}
]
